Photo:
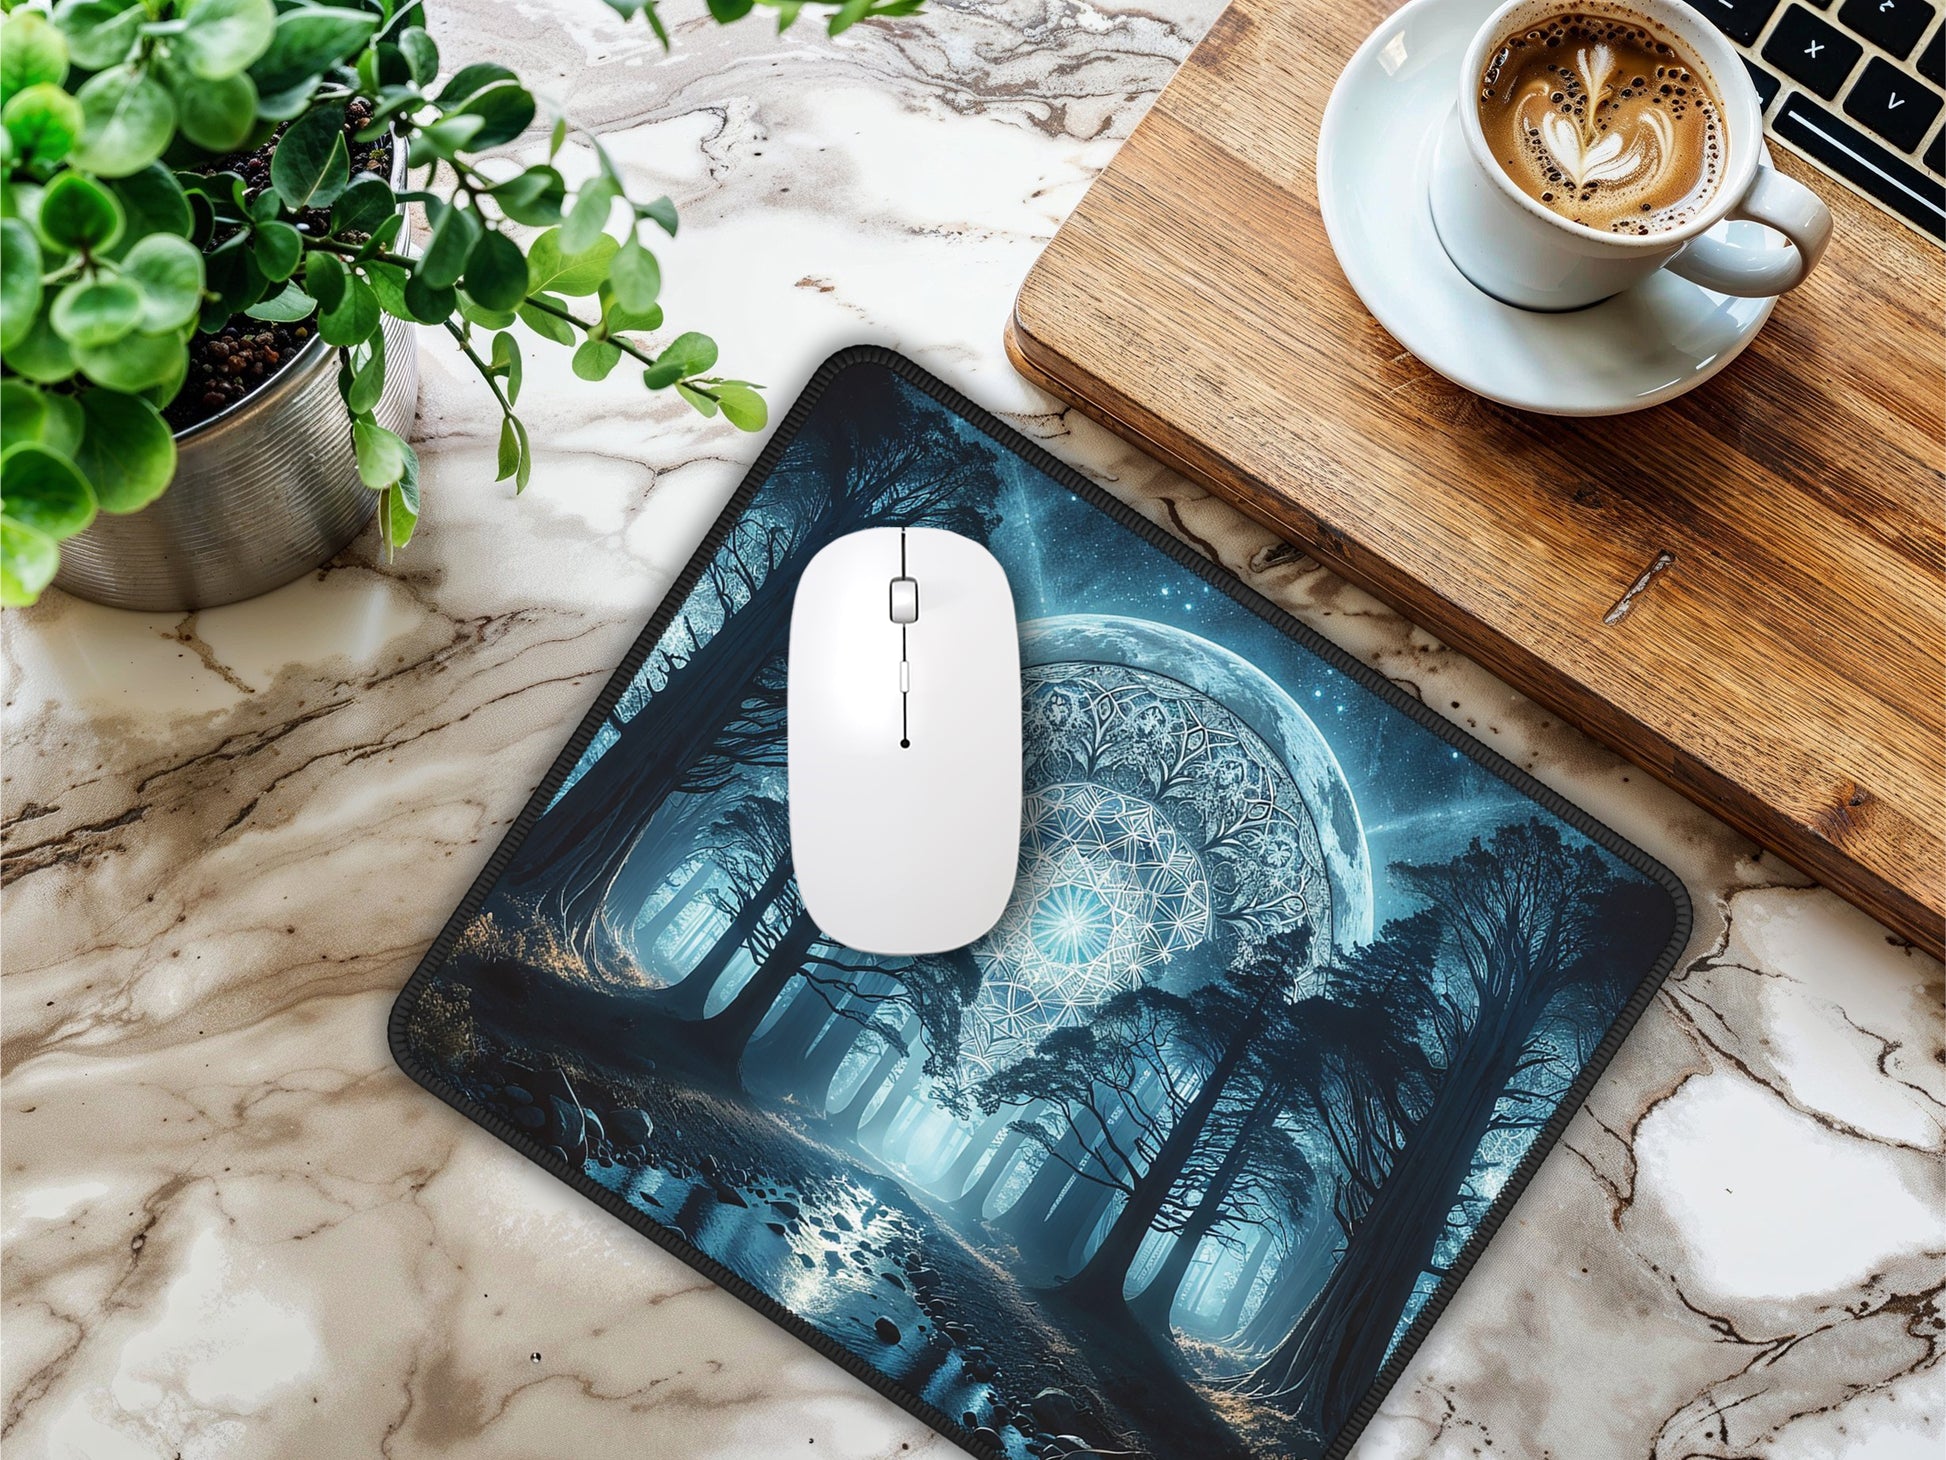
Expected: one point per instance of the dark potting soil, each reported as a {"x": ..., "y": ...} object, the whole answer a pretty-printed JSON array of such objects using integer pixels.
[{"x": 246, "y": 353}]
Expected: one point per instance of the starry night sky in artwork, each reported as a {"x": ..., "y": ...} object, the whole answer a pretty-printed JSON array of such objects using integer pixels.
[{"x": 1420, "y": 799}]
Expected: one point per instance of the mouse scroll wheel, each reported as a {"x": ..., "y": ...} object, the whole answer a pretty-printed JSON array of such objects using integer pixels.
[{"x": 905, "y": 600}]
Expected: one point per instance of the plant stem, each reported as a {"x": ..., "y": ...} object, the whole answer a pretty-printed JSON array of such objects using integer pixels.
[
  {"x": 386, "y": 256},
  {"x": 616, "y": 340},
  {"x": 486, "y": 370}
]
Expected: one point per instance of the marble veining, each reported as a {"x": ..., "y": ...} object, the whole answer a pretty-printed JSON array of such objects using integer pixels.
[{"x": 233, "y": 1229}]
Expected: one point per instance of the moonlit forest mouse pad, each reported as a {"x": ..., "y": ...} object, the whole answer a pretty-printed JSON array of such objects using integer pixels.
[{"x": 1183, "y": 1158}]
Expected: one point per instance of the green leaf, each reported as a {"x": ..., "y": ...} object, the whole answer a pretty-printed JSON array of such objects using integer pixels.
[
  {"x": 847, "y": 15},
  {"x": 40, "y": 354},
  {"x": 703, "y": 403},
  {"x": 222, "y": 37},
  {"x": 526, "y": 467},
  {"x": 388, "y": 283},
  {"x": 28, "y": 413},
  {"x": 100, "y": 33},
  {"x": 787, "y": 12},
  {"x": 381, "y": 453},
  {"x": 126, "y": 450},
  {"x": 79, "y": 214},
  {"x": 442, "y": 139},
  {"x": 279, "y": 247},
  {"x": 421, "y": 54},
  {"x": 556, "y": 137},
  {"x": 616, "y": 320},
  {"x": 496, "y": 272},
  {"x": 382, "y": 236},
  {"x": 636, "y": 276},
  {"x": 128, "y": 118},
  {"x": 285, "y": 307},
  {"x": 20, "y": 281},
  {"x": 168, "y": 271},
  {"x": 32, "y": 53},
  {"x": 429, "y": 303},
  {"x": 234, "y": 280},
  {"x": 324, "y": 279},
  {"x": 96, "y": 311},
  {"x": 725, "y": 11},
  {"x": 28, "y": 562},
  {"x": 648, "y": 10},
  {"x": 552, "y": 268},
  {"x": 216, "y": 115},
  {"x": 398, "y": 509},
  {"x": 309, "y": 41},
  {"x": 355, "y": 317},
  {"x": 367, "y": 375},
  {"x": 506, "y": 362},
  {"x": 368, "y": 202},
  {"x": 505, "y": 112},
  {"x": 595, "y": 358},
  {"x": 470, "y": 80},
  {"x": 153, "y": 202},
  {"x": 547, "y": 326},
  {"x": 588, "y": 216},
  {"x": 42, "y": 489},
  {"x": 742, "y": 406},
  {"x": 532, "y": 197},
  {"x": 509, "y": 461},
  {"x": 661, "y": 212},
  {"x": 164, "y": 390},
  {"x": 688, "y": 354},
  {"x": 311, "y": 167},
  {"x": 134, "y": 362},
  {"x": 474, "y": 312},
  {"x": 454, "y": 232},
  {"x": 43, "y": 123}
]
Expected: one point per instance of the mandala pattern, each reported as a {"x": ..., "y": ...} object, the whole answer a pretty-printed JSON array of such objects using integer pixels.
[{"x": 1157, "y": 825}]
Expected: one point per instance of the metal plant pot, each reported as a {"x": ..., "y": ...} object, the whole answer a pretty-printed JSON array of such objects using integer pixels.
[{"x": 263, "y": 493}]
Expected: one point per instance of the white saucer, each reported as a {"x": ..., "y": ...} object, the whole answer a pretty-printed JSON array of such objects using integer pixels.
[{"x": 1646, "y": 345}]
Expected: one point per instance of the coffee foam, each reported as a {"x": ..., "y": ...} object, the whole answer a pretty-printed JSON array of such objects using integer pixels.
[{"x": 1603, "y": 121}]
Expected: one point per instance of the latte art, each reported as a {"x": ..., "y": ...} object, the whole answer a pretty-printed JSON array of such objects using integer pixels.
[{"x": 1602, "y": 121}]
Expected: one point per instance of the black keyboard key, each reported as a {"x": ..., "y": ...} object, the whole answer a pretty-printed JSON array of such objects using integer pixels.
[
  {"x": 1809, "y": 50},
  {"x": 1893, "y": 24},
  {"x": 1932, "y": 58},
  {"x": 1936, "y": 154},
  {"x": 1767, "y": 85},
  {"x": 1852, "y": 155},
  {"x": 1741, "y": 20},
  {"x": 1892, "y": 104}
]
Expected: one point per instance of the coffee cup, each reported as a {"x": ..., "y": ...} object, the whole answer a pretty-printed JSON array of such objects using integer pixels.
[{"x": 1527, "y": 253}]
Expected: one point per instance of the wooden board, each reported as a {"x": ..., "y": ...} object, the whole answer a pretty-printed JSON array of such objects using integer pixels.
[{"x": 1749, "y": 600}]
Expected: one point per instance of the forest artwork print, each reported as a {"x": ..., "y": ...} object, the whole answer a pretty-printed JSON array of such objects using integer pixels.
[{"x": 1167, "y": 1163}]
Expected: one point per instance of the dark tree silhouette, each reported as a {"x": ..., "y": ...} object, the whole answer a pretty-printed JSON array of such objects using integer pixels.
[
  {"x": 750, "y": 845},
  {"x": 1524, "y": 920},
  {"x": 1225, "y": 1018},
  {"x": 1090, "y": 1081},
  {"x": 1258, "y": 1169}
]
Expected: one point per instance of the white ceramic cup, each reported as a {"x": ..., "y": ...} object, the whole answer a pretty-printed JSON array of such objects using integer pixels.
[{"x": 1519, "y": 251}]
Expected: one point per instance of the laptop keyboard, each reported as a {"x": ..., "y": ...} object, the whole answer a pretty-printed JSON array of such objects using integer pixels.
[{"x": 1856, "y": 86}]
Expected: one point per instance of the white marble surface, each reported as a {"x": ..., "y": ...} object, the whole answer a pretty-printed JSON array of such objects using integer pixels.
[{"x": 233, "y": 1229}]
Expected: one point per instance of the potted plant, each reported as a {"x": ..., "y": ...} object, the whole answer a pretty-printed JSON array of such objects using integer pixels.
[{"x": 207, "y": 288}]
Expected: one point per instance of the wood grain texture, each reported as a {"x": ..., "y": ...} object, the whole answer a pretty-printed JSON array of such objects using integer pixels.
[{"x": 1781, "y": 661}]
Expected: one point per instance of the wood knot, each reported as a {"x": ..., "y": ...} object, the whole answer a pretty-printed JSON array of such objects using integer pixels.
[{"x": 1847, "y": 812}]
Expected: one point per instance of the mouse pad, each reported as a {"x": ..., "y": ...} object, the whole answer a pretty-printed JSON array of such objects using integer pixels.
[{"x": 1297, "y": 984}]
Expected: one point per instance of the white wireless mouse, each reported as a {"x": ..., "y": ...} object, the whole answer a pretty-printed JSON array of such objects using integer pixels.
[{"x": 903, "y": 712}]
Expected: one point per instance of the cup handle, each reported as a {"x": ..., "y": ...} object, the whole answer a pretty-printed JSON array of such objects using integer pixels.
[{"x": 1784, "y": 204}]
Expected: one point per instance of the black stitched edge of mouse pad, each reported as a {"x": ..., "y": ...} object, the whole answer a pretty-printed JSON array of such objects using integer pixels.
[{"x": 1298, "y": 985}]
